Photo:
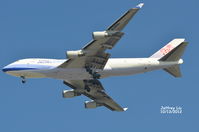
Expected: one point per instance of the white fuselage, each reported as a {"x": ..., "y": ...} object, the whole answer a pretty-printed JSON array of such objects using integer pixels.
[{"x": 47, "y": 68}]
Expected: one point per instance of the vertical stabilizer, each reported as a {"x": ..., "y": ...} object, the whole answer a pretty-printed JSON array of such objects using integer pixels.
[
  {"x": 172, "y": 52},
  {"x": 168, "y": 48}
]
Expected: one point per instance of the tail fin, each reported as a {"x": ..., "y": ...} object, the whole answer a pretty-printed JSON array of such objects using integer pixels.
[{"x": 172, "y": 52}]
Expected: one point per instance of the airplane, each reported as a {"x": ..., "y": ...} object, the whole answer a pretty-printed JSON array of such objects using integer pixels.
[{"x": 83, "y": 68}]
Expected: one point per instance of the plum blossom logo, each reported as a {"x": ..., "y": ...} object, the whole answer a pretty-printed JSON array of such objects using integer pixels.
[{"x": 166, "y": 49}]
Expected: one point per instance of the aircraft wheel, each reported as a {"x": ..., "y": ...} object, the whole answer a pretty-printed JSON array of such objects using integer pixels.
[
  {"x": 87, "y": 89},
  {"x": 23, "y": 81}
]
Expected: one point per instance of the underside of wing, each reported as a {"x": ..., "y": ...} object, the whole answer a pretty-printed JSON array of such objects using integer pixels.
[
  {"x": 93, "y": 55},
  {"x": 94, "y": 90},
  {"x": 123, "y": 21}
]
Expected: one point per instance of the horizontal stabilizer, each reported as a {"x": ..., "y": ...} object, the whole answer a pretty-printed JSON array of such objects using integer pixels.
[{"x": 174, "y": 71}]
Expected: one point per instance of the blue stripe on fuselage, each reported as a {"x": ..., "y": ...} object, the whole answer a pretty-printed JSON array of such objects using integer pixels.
[
  {"x": 17, "y": 69},
  {"x": 22, "y": 67}
]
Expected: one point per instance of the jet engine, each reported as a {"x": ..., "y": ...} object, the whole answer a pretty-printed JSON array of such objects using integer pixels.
[
  {"x": 74, "y": 54},
  {"x": 70, "y": 93},
  {"x": 103, "y": 34},
  {"x": 91, "y": 104}
]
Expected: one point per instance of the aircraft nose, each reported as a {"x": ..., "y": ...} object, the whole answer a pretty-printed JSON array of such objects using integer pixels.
[{"x": 4, "y": 69}]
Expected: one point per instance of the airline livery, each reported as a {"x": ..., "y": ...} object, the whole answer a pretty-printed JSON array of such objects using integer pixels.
[{"x": 83, "y": 68}]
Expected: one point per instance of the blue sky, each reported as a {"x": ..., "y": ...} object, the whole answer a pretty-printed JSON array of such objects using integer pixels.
[{"x": 47, "y": 29}]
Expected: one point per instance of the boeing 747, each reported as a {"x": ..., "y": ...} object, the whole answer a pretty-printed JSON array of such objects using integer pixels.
[{"x": 83, "y": 68}]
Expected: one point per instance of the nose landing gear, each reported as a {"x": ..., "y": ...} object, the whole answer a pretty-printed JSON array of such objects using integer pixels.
[{"x": 23, "y": 79}]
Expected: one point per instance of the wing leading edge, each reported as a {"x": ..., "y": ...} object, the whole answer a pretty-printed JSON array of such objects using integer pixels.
[{"x": 123, "y": 21}]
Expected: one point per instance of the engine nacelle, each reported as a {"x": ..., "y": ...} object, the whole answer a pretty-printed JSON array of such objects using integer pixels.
[
  {"x": 74, "y": 54},
  {"x": 70, "y": 93},
  {"x": 91, "y": 104},
  {"x": 103, "y": 34}
]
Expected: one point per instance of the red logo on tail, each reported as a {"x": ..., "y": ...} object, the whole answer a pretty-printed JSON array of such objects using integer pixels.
[{"x": 166, "y": 49}]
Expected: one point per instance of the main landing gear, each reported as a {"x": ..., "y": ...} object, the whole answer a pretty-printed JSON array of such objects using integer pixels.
[
  {"x": 93, "y": 73},
  {"x": 23, "y": 79},
  {"x": 87, "y": 88}
]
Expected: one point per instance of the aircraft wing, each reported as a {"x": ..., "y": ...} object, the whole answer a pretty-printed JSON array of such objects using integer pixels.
[
  {"x": 93, "y": 55},
  {"x": 123, "y": 21},
  {"x": 94, "y": 90}
]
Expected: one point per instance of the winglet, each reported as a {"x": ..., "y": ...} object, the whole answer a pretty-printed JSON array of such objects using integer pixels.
[
  {"x": 125, "y": 109},
  {"x": 140, "y": 5}
]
